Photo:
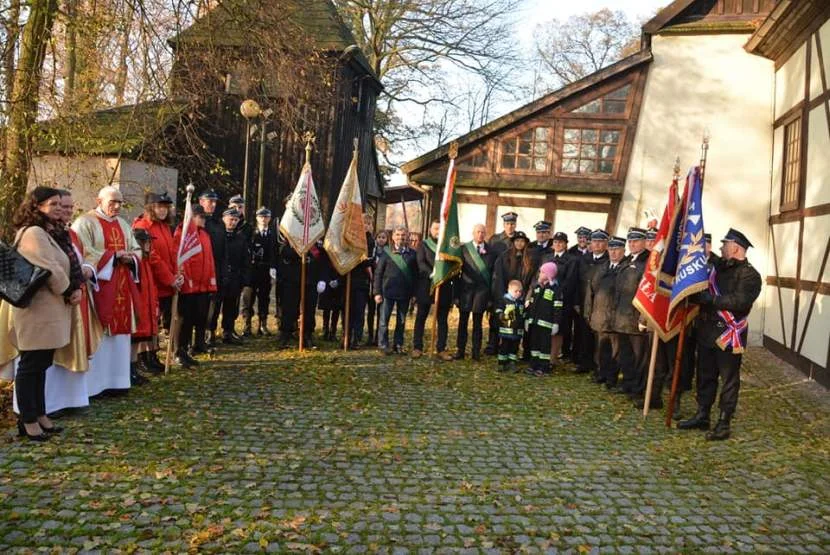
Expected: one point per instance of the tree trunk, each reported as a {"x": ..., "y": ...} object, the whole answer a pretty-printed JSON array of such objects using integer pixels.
[
  {"x": 12, "y": 25},
  {"x": 24, "y": 104},
  {"x": 124, "y": 47},
  {"x": 71, "y": 52}
]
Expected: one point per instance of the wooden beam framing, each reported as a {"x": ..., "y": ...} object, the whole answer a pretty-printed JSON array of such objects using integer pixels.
[
  {"x": 816, "y": 291},
  {"x": 777, "y": 277}
]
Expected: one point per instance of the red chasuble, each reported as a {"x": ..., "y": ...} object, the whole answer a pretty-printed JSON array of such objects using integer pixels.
[
  {"x": 147, "y": 307},
  {"x": 114, "y": 299}
]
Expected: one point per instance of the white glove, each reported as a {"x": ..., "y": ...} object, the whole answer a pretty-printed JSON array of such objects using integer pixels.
[
  {"x": 333, "y": 284},
  {"x": 555, "y": 329},
  {"x": 321, "y": 286},
  {"x": 273, "y": 273},
  {"x": 641, "y": 326}
]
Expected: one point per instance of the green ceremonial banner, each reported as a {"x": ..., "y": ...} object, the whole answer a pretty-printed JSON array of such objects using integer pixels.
[{"x": 448, "y": 258}]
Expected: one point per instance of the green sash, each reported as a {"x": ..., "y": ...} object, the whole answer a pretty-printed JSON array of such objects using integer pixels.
[
  {"x": 400, "y": 262},
  {"x": 479, "y": 262},
  {"x": 431, "y": 244}
]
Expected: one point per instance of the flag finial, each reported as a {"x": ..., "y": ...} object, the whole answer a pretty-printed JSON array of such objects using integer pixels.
[
  {"x": 190, "y": 188},
  {"x": 677, "y": 168},
  {"x": 309, "y": 139},
  {"x": 453, "y": 153}
]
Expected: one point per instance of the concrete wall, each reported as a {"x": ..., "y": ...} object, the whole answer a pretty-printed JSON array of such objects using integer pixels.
[
  {"x": 85, "y": 175},
  {"x": 708, "y": 82}
]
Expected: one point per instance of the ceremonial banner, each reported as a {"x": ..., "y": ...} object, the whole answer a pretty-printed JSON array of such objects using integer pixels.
[
  {"x": 302, "y": 223},
  {"x": 448, "y": 257},
  {"x": 652, "y": 303},
  {"x": 692, "y": 274},
  {"x": 345, "y": 240},
  {"x": 190, "y": 245}
]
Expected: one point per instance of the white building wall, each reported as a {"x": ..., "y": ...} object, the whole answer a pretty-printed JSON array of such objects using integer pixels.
[{"x": 708, "y": 82}]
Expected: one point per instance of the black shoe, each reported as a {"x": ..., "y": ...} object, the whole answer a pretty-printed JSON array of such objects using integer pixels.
[
  {"x": 136, "y": 379},
  {"x": 263, "y": 330},
  {"x": 489, "y": 350},
  {"x": 21, "y": 432},
  {"x": 476, "y": 355},
  {"x": 699, "y": 421},
  {"x": 185, "y": 360},
  {"x": 721, "y": 431},
  {"x": 151, "y": 363},
  {"x": 459, "y": 355},
  {"x": 199, "y": 350},
  {"x": 597, "y": 379},
  {"x": 53, "y": 430},
  {"x": 231, "y": 339},
  {"x": 581, "y": 370}
]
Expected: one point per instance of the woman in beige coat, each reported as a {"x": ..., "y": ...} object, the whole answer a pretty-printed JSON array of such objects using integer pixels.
[{"x": 44, "y": 326}]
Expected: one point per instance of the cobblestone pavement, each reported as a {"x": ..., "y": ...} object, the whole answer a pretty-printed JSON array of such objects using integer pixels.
[{"x": 352, "y": 453}]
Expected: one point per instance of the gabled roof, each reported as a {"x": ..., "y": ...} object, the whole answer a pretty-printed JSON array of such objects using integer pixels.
[
  {"x": 317, "y": 19},
  {"x": 120, "y": 130},
  {"x": 529, "y": 110},
  {"x": 785, "y": 26},
  {"x": 695, "y": 16}
]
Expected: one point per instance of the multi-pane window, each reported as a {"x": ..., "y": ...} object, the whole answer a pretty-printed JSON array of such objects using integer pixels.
[
  {"x": 589, "y": 151},
  {"x": 792, "y": 165},
  {"x": 477, "y": 159},
  {"x": 527, "y": 151},
  {"x": 612, "y": 103}
]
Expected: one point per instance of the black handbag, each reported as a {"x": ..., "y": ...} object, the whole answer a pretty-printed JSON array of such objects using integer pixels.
[{"x": 19, "y": 278}]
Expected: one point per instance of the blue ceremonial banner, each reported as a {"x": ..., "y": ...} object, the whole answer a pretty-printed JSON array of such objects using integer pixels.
[{"x": 691, "y": 275}]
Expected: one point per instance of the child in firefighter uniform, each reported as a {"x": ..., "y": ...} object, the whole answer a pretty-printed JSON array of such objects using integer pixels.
[
  {"x": 543, "y": 315},
  {"x": 510, "y": 314}
]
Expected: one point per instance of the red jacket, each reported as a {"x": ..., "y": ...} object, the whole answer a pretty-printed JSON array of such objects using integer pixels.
[
  {"x": 147, "y": 307},
  {"x": 162, "y": 255},
  {"x": 199, "y": 270}
]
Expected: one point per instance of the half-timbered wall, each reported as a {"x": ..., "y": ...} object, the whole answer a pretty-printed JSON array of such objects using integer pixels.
[
  {"x": 695, "y": 83},
  {"x": 797, "y": 324}
]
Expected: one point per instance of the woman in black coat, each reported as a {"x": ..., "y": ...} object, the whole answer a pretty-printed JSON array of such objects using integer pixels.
[{"x": 517, "y": 262}]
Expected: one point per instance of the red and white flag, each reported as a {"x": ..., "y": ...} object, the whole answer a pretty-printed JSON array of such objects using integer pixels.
[
  {"x": 190, "y": 245},
  {"x": 302, "y": 223}
]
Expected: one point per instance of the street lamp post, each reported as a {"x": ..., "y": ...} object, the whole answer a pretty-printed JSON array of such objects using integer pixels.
[
  {"x": 262, "y": 137},
  {"x": 249, "y": 110}
]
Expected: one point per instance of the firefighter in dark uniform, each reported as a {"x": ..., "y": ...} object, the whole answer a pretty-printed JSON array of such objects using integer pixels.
[
  {"x": 722, "y": 331},
  {"x": 651, "y": 238},
  {"x": 473, "y": 291},
  {"x": 600, "y": 307},
  {"x": 497, "y": 244},
  {"x": 425, "y": 257},
  {"x": 235, "y": 264},
  {"x": 215, "y": 229},
  {"x": 583, "y": 243},
  {"x": 633, "y": 342},
  {"x": 543, "y": 244},
  {"x": 361, "y": 279},
  {"x": 588, "y": 265},
  {"x": 244, "y": 227},
  {"x": 263, "y": 248}
]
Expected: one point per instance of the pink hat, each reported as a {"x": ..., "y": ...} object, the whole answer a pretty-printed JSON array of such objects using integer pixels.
[{"x": 549, "y": 269}]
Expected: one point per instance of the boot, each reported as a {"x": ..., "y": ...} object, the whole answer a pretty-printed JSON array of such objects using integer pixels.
[
  {"x": 676, "y": 411},
  {"x": 263, "y": 326},
  {"x": 246, "y": 331},
  {"x": 135, "y": 377},
  {"x": 185, "y": 360},
  {"x": 151, "y": 362},
  {"x": 210, "y": 339},
  {"x": 655, "y": 403},
  {"x": 700, "y": 421},
  {"x": 721, "y": 431}
]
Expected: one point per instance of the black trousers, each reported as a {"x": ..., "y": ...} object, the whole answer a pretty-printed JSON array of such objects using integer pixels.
[
  {"x": 493, "y": 332},
  {"x": 30, "y": 383},
  {"x": 357, "y": 314},
  {"x": 214, "y": 311},
  {"x": 713, "y": 363},
  {"x": 193, "y": 315},
  {"x": 633, "y": 359},
  {"x": 608, "y": 345},
  {"x": 166, "y": 311},
  {"x": 478, "y": 331},
  {"x": 508, "y": 350},
  {"x": 539, "y": 342},
  {"x": 230, "y": 306},
  {"x": 664, "y": 367},
  {"x": 420, "y": 324},
  {"x": 566, "y": 327},
  {"x": 290, "y": 304},
  {"x": 584, "y": 346},
  {"x": 259, "y": 291},
  {"x": 371, "y": 317}
]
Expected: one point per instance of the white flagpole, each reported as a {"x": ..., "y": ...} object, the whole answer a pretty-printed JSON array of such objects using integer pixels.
[{"x": 174, "y": 320}]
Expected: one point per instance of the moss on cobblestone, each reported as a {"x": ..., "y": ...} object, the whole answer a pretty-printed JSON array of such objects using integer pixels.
[{"x": 325, "y": 451}]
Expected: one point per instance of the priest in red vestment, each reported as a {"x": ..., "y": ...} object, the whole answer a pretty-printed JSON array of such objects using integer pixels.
[{"x": 109, "y": 246}]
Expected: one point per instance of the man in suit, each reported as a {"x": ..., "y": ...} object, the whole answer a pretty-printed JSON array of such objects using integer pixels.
[
  {"x": 215, "y": 229},
  {"x": 600, "y": 307},
  {"x": 425, "y": 257},
  {"x": 263, "y": 249},
  {"x": 474, "y": 291},
  {"x": 583, "y": 243},
  {"x": 395, "y": 280}
]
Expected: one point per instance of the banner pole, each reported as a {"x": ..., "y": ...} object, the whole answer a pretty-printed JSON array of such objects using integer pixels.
[
  {"x": 652, "y": 363},
  {"x": 678, "y": 359},
  {"x": 347, "y": 312},
  {"x": 435, "y": 322},
  {"x": 174, "y": 317},
  {"x": 302, "y": 299}
]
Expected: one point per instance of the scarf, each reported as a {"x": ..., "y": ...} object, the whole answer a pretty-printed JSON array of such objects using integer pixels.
[{"x": 63, "y": 239}]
